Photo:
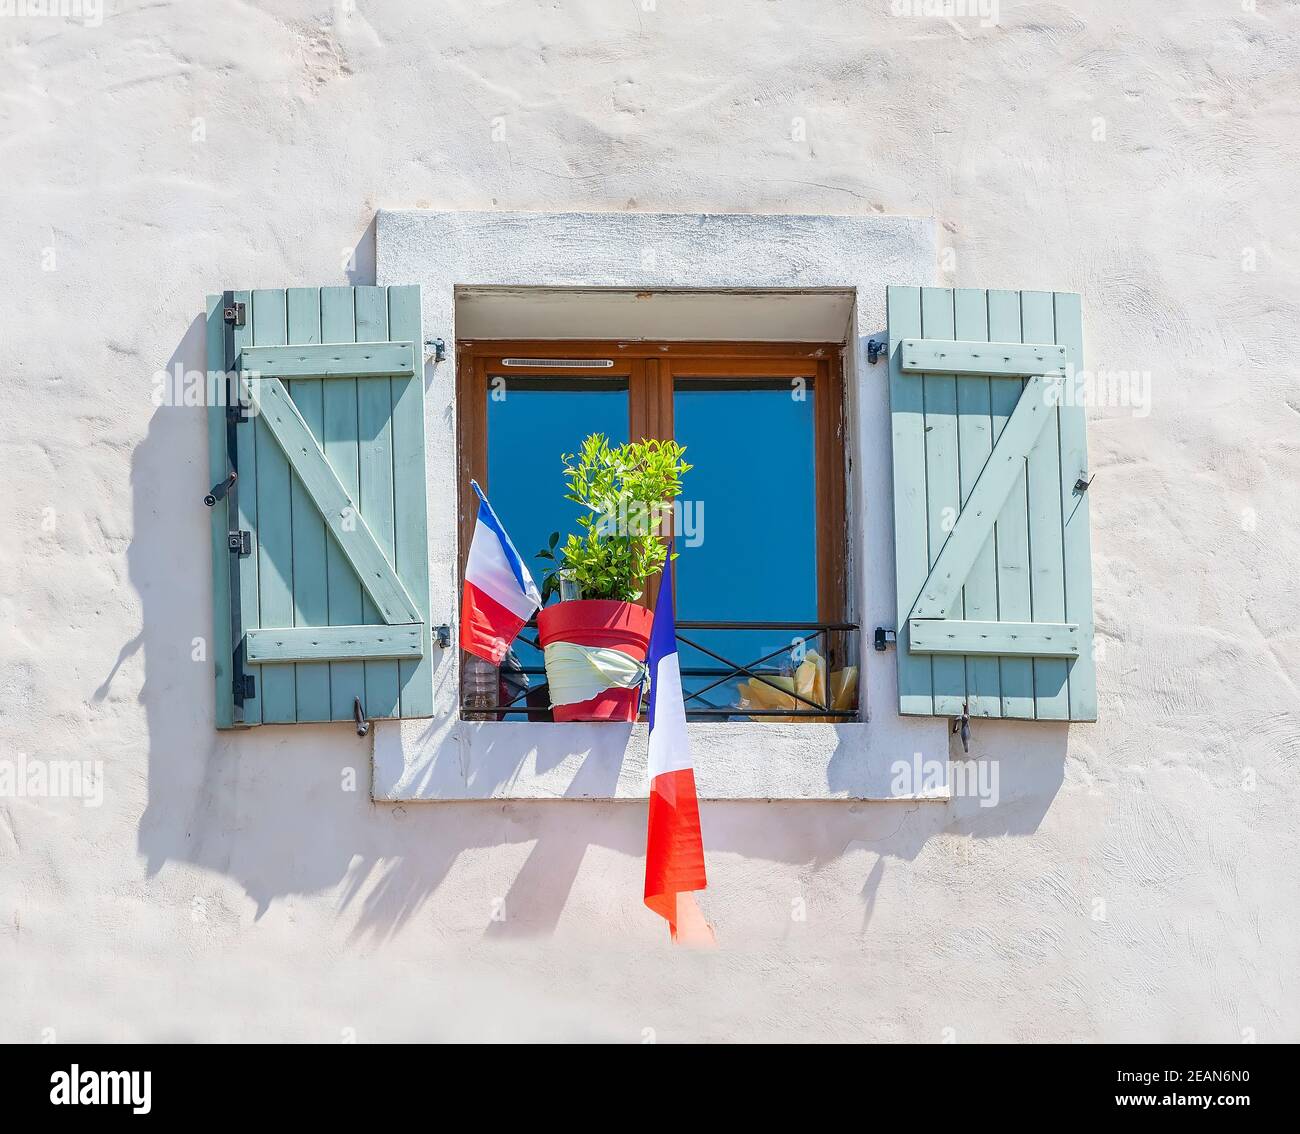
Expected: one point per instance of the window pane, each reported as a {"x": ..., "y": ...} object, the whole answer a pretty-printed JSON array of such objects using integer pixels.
[
  {"x": 747, "y": 535},
  {"x": 530, "y": 423}
]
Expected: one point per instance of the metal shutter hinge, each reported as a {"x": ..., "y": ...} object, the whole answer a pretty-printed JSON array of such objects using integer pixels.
[
  {"x": 875, "y": 348},
  {"x": 883, "y": 638},
  {"x": 244, "y": 687},
  {"x": 235, "y": 314},
  {"x": 241, "y": 542}
]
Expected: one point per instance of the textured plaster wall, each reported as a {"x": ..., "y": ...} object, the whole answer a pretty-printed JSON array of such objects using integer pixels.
[{"x": 1137, "y": 879}]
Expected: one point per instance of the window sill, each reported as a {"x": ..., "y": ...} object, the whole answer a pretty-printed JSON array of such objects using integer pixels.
[{"x": 423, "y": 761}]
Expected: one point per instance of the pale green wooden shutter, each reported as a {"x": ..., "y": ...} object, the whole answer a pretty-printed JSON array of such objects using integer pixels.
[
  {"x": 326, "y": 602},
  {"x": 990, "y": 504}
]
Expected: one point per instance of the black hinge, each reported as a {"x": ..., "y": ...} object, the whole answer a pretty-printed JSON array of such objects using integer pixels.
[
  {"x": 237, "y": 412},
  {"x": 234, "y": 314},
  {"x": 238, "y": 543},
  {"x": 875, "y": 348},
  {"x": 883, "y": 637}
]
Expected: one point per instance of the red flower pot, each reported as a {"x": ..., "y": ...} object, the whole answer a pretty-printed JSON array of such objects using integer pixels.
[{"x": 622, "y": 626}]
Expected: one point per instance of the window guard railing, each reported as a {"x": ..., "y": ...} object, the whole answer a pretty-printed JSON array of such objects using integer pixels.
[{"x": 727, "y": 670}]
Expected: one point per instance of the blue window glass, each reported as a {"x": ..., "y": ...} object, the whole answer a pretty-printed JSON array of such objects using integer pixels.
[
  {"x": 530, "y": 423},
  {"x": 747, "y": 527}
]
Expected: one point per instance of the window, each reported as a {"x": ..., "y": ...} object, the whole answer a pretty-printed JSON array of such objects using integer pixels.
[{"x": 760, "y": 582}]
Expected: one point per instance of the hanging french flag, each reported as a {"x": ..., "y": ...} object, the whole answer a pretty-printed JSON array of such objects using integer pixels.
[
  {"x": 674, "y": 854},
  {"x": 500, "y": 595}
]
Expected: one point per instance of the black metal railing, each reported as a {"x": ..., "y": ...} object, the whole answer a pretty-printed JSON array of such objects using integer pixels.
[{"x": 531, "y": 701}]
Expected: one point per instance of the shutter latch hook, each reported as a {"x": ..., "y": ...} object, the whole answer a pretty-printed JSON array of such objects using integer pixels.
[
  {"x": 358, "y": 715},
  {"x": 962, "y": 724},
  {"x": 219, "y": 491}
]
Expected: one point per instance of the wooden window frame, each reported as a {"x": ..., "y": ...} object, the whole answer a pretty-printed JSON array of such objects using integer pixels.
[{"x": 651, "y": 370}]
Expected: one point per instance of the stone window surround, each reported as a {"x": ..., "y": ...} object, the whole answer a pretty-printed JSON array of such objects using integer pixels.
[{"x": 446, "y": 759}]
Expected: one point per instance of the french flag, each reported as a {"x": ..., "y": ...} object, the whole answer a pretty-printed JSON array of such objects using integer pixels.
[
  {"x": 500, "y": 595},
  {"x": 674, "y": 854}
]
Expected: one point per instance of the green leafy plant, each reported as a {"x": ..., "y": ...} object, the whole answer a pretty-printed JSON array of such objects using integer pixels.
[{"x": 627, "y": 492}]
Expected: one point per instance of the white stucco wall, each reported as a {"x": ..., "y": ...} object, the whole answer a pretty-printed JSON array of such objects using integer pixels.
[{"x": 1136, "y": 879}]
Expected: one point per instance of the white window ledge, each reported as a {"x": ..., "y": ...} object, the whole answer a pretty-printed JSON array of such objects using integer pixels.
[
  {"x": 469, "y": 760},
  {"x": 456, "y": 255}
]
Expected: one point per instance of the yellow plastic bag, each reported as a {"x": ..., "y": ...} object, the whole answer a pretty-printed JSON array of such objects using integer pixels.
[{"x": 809, "y": 682}]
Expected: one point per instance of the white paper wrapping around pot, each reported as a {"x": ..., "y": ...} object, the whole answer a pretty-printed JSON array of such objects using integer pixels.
[{"x": 578, "y": 673}]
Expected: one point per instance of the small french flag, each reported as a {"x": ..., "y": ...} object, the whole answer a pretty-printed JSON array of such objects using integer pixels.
[
  {"x": 500, "y": 595},
  {"x": 674, "y": 853}
]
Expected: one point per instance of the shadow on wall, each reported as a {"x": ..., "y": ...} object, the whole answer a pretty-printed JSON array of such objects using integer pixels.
[
  {"x": 286, "y": 810},
  {"x": 360, "y": 268}
]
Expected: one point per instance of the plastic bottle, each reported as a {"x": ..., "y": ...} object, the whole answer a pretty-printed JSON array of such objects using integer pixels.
[{"x": 481, "y": 684}]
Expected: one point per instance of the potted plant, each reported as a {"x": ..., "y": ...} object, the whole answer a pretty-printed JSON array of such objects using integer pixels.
[{"x": 600, "y": 626}]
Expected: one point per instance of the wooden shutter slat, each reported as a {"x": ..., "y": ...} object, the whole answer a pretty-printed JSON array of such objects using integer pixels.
[
  {"x": 942, "y": 480},
  {"x": 975, "y": 444},
  {"x": 410, "y": 503},
  {"x": 345, "y": 360},
  {"x": 339, "y": 442},
  {"x": 274, "y": 542},
  {"x": 218, "y": 468},
  {"x": 1074, "y": 509},
  {"x": 310, "y": 585},
  {"x": 911, "y": 538},
  {"x": 247, "y": 520},
  {"x": 1011, "y": 532},
  {"x": 310, "y": 646},
  {"x": 971, "y": 354},
  {"x": 375, "y": 446},
  {"x": 996, "y": 639},
  {"x": 1047, "y": 581}
]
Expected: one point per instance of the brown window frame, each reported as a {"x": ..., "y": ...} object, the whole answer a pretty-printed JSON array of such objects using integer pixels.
[{"x": 651, "y": 369}]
